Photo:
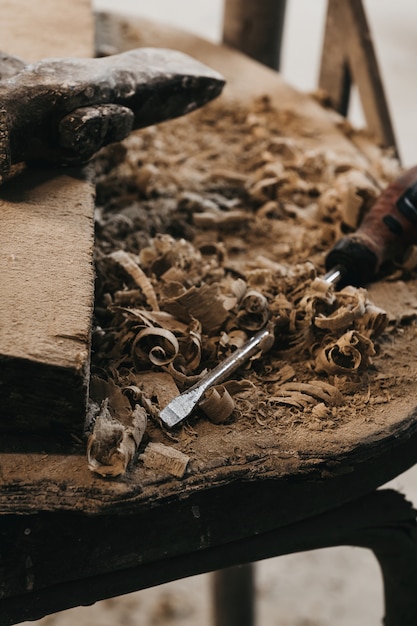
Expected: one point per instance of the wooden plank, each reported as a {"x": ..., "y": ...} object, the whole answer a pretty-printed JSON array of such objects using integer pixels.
[{"x": 46, "y": 243}]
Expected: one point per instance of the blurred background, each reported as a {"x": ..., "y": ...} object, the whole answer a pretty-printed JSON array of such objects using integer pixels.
[
  {"x": 332, "y": 587},
  {"x": 393, "y": 26}
]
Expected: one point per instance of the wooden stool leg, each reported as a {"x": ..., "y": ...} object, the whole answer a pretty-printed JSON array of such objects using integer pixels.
[
  {"x": 335, "y": 77},
  {"x": 255, "y": 28},
  {"x": 349, "y": 55},
  {"x": 234, "y": 596},
  {"x": 396, "y": 551},
  {"x": 382, "y": 521}
]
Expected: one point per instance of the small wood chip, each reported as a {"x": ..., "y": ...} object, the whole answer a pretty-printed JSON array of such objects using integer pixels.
[{"x": 165, "y": 458}]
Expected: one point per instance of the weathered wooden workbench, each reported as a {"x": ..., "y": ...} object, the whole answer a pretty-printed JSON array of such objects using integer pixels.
[{"x": 68, "y": 537}]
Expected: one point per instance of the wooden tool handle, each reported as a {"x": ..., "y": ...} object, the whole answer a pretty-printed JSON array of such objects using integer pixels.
[{"x": 385, "y": 233}]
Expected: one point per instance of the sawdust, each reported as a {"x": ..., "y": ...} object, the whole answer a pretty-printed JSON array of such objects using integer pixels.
[{"x": 195, "y": 215}]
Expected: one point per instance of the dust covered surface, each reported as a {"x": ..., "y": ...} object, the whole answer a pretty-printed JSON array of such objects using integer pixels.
[{"x": 210, "y": 227}]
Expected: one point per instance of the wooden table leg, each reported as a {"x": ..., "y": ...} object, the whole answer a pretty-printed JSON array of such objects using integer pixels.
[
  {"x": 234, "y": 596},
  {"x": 396, "y": 551},
  {"x": 255, "y": 28},
  {"x": 384, "y": 522}
]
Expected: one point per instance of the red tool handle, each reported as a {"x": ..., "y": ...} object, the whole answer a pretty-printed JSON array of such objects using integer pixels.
[{"x": 385, "y": 233}]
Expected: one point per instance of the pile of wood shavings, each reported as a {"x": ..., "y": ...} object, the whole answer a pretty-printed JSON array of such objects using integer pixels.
[{"x": 208, "y": 228}]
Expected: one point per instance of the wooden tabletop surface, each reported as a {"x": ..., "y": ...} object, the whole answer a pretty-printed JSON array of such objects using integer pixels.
[{"x": 72, "y": 524}]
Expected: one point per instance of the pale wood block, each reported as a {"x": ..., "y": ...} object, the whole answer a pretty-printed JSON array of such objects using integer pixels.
[{"x": 46, "y": 250}]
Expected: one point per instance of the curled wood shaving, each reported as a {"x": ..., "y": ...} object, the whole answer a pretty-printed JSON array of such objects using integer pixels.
[
  {"x": 217, "y": 404},
  {"x": 354, "y": 309},
  {"x": 127, "y": 297},
  {"x": 265, "y": 189},
  {"x": 254, "y": 302},
  {"x": 237, "y": 387},
  {"x": 351, "y": 305},
  {"x": 112, "y": 446},
  {"x": 356, "y": 193},
  {"x": 157, "y": 345},
  {"x": 142, "y": 281},
  {"x": 252, "y": 321},
  {"x": 293, "y": 398},
  {"x": 351, "y": 353},
  {"x": 156, "y": 337},
  {"x": 238, "y": 288},
  {"x": 178, "y": 260},
  {"x": 374, "y": 320},
  {"x": 312, "y": 392},
  {"x": 190, "y": 351},
  {"x": 227, "y": 175},
  {"x": 182, "y": 379},
  {"x": 232, "y": 341},
  {"x": 201, "y": 303}
]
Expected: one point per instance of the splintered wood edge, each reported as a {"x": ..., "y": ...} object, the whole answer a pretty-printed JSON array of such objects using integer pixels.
[
  {"x": 46, "y": 244},
  {"x": 51, "y": 480}
]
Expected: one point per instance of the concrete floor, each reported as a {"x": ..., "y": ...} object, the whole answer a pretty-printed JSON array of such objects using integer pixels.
[{"x": 332, "y": 587}]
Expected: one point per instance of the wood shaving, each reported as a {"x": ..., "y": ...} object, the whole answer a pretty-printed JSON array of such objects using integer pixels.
[
  {"x": 142, "y": 281},
  {"x": 217, "y": 404},
  {"x": 112, "y": 446},
  {"x": 229, "y": 215},
  {"x": 351, "y": 353}
]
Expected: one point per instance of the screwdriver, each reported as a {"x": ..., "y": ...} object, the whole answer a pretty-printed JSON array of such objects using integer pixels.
[{"x": 385, "y": 232}]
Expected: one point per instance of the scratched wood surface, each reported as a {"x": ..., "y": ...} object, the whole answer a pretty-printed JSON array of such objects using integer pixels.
[
  {"x": 46, "y": 243},
  {"x": 39, "y": 476}
]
